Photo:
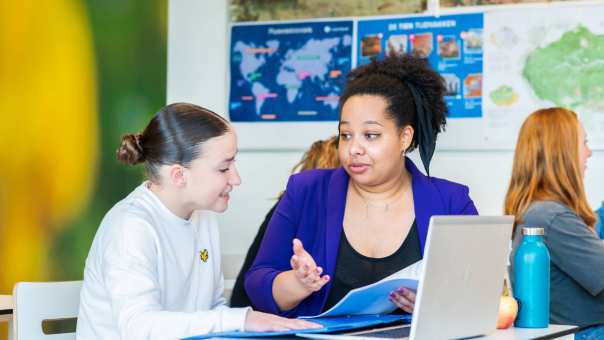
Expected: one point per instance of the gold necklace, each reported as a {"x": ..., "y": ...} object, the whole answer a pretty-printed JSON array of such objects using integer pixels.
[{"x": 385, "y": 205}]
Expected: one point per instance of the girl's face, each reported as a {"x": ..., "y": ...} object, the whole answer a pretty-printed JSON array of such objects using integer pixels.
[
  {"x": 371, "y": 145},
  {"x": 584, "y": 150},
  {"x": 210, "y": 178}
]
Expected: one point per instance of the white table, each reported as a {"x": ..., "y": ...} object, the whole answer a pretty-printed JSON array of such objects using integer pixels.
[{"x": 552, "y": 332}]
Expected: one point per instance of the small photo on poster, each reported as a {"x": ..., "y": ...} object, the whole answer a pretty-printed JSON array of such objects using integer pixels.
[
  {"x": 472, "y": 85},
  {"x": 451, "y": 84},
  {"x": 472, "y": 41},
  {"x": 421, "y": 44},
  {"x": 371, "y": 45},
  {"x": 448, "y": 47},
  {"x": 396, "y": 45}
]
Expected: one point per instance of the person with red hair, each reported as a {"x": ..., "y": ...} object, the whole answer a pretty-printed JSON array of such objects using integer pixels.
[{"x": 546, "y": 190}]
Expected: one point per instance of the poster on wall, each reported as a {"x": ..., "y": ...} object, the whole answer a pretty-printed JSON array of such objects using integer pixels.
[
  {"x": 263, "y": 10},
  {"x": 288, "y": 72},
  {"x": 554, "y": 56},
  {"x": 451, "y": 43}
]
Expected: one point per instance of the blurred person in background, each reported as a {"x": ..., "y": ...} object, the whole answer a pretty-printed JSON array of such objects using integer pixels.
[
  {"x": 323, "y": 154},
  {"x": 547, "y": 190}
]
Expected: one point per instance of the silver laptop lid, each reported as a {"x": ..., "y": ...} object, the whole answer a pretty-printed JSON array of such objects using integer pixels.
[{"x": 465, "y": 260}]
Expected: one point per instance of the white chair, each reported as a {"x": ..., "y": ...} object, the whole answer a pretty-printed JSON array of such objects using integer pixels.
[{"x": 39, "y": 304}]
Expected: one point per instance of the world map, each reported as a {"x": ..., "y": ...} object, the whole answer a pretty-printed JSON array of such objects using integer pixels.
[{"x": 288, "y": 72}]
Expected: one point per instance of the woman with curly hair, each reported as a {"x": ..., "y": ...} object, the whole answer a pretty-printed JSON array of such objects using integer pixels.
[{"x": 338, "y": 229}]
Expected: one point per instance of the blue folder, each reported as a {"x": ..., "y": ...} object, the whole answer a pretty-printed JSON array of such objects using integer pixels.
[
  {"x": 330, "y": 325},
  {"x": 370, "y": 299}
]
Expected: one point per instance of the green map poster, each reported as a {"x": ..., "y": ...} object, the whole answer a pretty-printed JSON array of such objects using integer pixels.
[{"x": 554, "y": 56}]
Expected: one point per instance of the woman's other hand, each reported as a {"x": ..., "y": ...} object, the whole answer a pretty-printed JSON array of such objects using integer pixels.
[
  {"x": 306, "y": 270},
  {"x": 264, "y": 322},
  {"x": 403, "y": 298},
  {"x": 292, "y": 286}
]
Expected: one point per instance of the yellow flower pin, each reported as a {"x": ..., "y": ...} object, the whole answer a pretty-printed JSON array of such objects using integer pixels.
[{"x": 204, "y": 255}]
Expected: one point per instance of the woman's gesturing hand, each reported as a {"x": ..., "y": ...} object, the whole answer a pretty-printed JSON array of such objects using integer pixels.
[{"x": 305, "y": 268}]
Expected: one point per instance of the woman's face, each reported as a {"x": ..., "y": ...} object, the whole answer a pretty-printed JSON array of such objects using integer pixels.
[
  {"x": 584, "y": 150},
  {"x": 210, "y": 178},
  {"x": 371, "y": 145}
]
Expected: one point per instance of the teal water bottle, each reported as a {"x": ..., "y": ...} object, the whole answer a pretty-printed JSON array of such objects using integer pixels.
[{"x": 531, "y": 280}]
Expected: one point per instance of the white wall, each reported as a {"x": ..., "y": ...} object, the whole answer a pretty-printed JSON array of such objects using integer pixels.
[{"x": 197, "y": 72}]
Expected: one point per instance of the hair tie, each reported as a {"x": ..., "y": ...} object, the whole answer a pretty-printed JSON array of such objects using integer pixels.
[
  {"x": 139, "y": 146},
  {"x": 426, "y": 138}
]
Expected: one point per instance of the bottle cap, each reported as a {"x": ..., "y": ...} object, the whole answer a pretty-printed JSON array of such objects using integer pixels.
[{"x": 532, "y": 231}]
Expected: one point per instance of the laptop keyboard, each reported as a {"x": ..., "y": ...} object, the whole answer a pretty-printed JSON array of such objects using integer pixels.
[{"x": 398, "y": 332}]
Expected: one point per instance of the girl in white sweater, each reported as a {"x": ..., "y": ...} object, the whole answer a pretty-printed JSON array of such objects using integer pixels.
[{"x": 153, "y": 271}]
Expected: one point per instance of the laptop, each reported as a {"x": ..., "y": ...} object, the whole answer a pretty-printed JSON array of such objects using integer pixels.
[{"x": 465, "y": 260}]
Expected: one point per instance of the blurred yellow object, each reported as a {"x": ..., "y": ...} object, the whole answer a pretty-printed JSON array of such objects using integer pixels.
[{"x": 48, "y": 130}]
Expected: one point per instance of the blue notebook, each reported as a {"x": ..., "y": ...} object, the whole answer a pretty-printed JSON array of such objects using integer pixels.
[
  {"x": 362, "y": 307},
  {"x": 370, "y": 299},
  {"x": 330, "y": 325}
]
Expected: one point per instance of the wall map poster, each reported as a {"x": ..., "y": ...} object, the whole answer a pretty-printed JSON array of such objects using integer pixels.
[
  {"x": 451, "y": 43},
  {"x": 288, "y": 72}
]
